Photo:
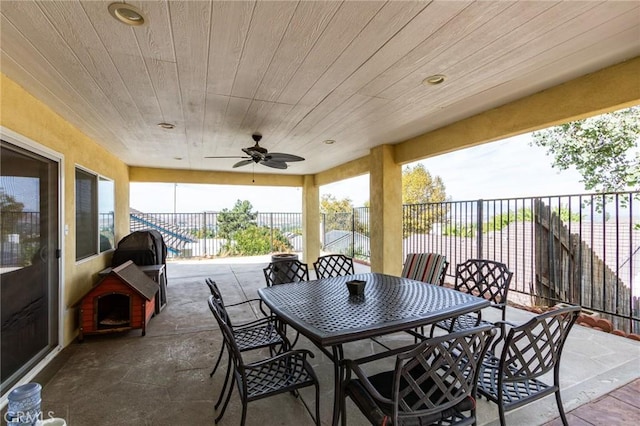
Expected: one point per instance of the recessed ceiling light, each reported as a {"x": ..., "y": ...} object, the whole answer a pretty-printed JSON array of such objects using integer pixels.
[
  {"x": 126, "y": 14},
  {"x": 329, "y": 142},
  {"x": 434, "y": 79},
  {"x": 167, "y": 126}
]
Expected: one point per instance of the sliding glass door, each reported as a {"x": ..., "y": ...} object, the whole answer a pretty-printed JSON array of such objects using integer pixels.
[{"x": 29, "y": 260}]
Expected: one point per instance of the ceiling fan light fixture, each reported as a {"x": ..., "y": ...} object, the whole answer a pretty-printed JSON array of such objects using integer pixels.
[
  {"x": 166, "y": 126},
  {"x": 126, "y": 14},
  {"x": 435, "y": 79}
]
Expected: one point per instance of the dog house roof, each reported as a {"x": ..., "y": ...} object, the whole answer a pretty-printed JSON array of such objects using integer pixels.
[{"x": 133, "y": 276}]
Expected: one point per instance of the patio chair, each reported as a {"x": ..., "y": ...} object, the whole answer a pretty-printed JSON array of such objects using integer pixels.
[
  {"x": 258, "y": 334},
  {"x": 428, "y": 267},
  {"x": 333, "y": 265},
  {"x": 432, "y": 383},
  {"x": 215, "y": 291},
  {"x": 483, "y": 278},
  {"x": 511, "y": 378},
  {"x": 285, "y": 372},
  {"x": 286, "y": 271}
]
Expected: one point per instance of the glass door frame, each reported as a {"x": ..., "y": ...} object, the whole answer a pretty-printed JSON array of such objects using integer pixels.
[{"x": 30, "y": 145}]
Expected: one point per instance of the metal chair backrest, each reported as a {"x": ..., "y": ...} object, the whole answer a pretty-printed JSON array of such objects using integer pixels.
[
  {"x": 439, "y": 374},
  {"x": 286, "y": 271},
  {"x": 213, "y": 289},
  {"x": 534, "y": 348},
  {"x": 222, "y": 317},
  {"x": 428, "y": 267},
  {"x": 217, "y": 296},
  {"x": 433, "y": 383},
  {"x": 485, "y": 278},
  {"x": 333, "y": 265},
  {"x": 512, "y": 377}
]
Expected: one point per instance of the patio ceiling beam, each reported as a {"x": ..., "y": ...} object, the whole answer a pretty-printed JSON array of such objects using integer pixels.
[
  {"x": 344, "y": 171},
  {"x": 148, "y": 174},
  {"x": 606, "y": 90}
]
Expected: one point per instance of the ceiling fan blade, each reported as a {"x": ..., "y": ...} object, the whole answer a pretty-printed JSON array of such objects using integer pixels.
[
  {"x": 223, "y": 156},
  {"x": 242, "y": 163},
  {"x": 274, "y": 164},
  {"x": 280, "y": 156}
]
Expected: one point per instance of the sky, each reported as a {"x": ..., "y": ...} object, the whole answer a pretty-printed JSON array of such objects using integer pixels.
[{"x": 504, "y": 169}]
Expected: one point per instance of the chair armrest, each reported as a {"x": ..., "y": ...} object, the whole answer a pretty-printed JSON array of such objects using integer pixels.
[
  {"x": 250, "y": 301},
  {"x": 240, "y": 303},
  {"x": 300, "y": 353},
  {"x": 354, "y": 365},
  {"x": 364, "y": 380},
  {"x": 254, "y": 323}
]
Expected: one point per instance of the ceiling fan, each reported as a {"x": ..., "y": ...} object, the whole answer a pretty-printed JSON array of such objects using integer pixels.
[{"x": 260, "y": 155}]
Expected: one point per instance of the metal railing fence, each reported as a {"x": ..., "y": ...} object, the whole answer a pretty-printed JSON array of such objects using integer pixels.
[
  {"x": 205, "y": 234},
  {"x": 347, "y": 233},
  {"x": 19, "y": 238},
  {"x": 582, "y": 249}
]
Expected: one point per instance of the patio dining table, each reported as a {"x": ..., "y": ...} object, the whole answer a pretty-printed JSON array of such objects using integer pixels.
[{"x": 325, "y": 312}]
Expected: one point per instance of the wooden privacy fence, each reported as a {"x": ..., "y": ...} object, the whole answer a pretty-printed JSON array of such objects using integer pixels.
[{"x": 568, "y": 269}]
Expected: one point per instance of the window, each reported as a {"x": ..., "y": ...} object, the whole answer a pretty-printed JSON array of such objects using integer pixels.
[
  {"x": 106, "y": 219},
  {"x": 94, "y": 214}
]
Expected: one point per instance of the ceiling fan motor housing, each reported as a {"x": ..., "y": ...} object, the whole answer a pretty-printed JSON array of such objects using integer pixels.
[{"x": 256, "y": 149}]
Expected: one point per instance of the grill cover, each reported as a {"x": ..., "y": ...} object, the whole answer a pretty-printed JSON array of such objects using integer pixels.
[{"x": 144, "y": 247}]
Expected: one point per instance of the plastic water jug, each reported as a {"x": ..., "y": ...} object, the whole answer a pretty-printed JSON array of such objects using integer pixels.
[{"x": 24, "y": 405}]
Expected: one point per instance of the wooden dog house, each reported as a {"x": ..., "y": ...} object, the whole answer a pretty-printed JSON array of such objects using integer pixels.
[{"x": 122, "y": 300}]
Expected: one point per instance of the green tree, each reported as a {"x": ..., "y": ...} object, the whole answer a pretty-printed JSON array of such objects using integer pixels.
[
  {"x": 566, "y": 215},
  {"x": 460, "y": 230},
  {"x": 337, "y": 213},
  {"x": 419, "y": 189},
  {"x": 603, "y": 149},
  {"x": 201, "y": 232},
  {"x": 502, "y": 220},
  {"x": 238, "y": 218},
  {"x": 11, "y": 213},
  {"x": 330, "y": 204},
  {"x": 418, "y": 186},
  {"x": 256, "y": 240}
]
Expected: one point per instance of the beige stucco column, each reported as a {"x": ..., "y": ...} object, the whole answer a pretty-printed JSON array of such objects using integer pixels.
[
  {"x": 386, "y": 211},
  {"x": 310, "y": 219}
]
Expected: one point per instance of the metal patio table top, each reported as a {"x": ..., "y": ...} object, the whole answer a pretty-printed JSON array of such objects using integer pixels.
[{"x": 324, "y": 312}]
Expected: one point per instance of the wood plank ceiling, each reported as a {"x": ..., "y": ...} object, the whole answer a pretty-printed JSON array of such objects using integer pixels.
[{"x": 297, "y": 72}]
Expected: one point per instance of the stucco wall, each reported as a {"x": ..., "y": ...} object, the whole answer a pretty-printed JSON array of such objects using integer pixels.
[{"x": 24, "y": 114}]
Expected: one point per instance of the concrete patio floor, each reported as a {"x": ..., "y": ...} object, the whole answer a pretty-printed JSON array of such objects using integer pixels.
[{"x": 163, "y": 378}]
